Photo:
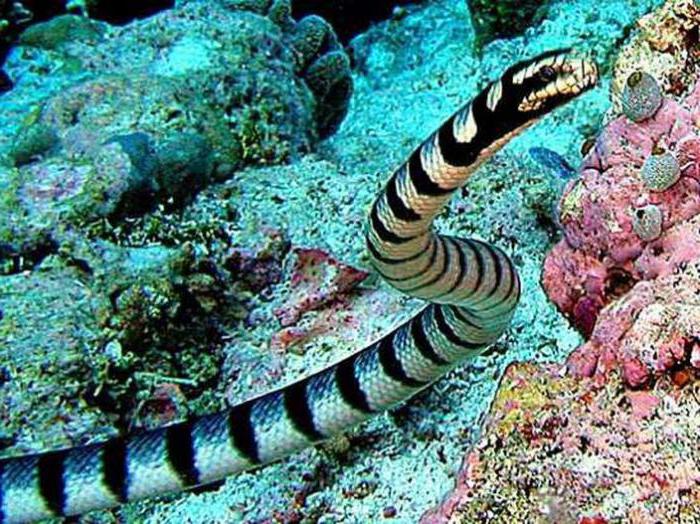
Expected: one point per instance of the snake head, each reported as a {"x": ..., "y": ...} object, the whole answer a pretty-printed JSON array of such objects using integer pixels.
[{"x": 542, "y": 83}]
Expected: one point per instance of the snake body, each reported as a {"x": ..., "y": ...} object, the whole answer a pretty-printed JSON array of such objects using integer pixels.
[{"x": 473, "y": 289}]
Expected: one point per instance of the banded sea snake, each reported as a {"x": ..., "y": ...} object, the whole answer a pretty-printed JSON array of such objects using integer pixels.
[{"x": 473, "y": 289}]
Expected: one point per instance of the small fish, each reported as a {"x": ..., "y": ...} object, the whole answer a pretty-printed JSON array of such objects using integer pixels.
[{"x": 552, "y": 161}]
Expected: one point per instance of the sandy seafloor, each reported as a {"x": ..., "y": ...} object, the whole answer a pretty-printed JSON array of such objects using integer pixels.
[{"x": 412, "y": 73}]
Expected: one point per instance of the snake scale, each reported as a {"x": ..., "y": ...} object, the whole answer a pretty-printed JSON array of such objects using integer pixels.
[{"x": 472, "y": 287}]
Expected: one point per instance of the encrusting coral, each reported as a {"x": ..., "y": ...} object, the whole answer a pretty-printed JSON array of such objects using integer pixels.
[{"x": 621, "y": 208}]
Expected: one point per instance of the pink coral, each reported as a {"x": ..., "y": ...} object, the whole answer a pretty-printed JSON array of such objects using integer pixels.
[
  {"x": 318, "y": 280},
  {"x": 634, "y": 299},
  {"x": 609, "y": 455},
  {"x": 602, "y": 256},
  {"x": 652, "y": 330}
]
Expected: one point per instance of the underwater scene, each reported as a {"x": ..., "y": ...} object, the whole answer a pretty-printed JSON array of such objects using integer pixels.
[{"x": 307, "y": 261}]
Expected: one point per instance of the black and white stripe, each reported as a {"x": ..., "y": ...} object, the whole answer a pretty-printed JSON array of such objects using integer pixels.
[{"x": 473, "y": 286}]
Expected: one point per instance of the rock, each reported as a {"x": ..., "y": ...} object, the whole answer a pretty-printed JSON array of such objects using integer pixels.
[
  {"x": 665, "y": 43},
  {"x": 155, "y": 111},
  {"x": 49, "y": 367},
  {"x": 569, "y": 449},
  {"x": 185, "y": 166},
  {"x": 627, "y": 202},
  {"x": 502, "y": 18},
  {"x": 32, "y": 143}
]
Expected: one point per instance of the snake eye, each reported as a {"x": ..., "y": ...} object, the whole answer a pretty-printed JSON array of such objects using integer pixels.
[{"x": 547, "y": 73}]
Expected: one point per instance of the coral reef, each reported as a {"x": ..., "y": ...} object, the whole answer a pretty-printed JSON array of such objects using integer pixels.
[
  {"x": 16, "y": 15},
  {"x": 122, "y": 12},
  {"x": 565, "y": 449},
  {"x": 155, "y": 125},
  {"x": 118, "y": 323},
  {"x": 624, "y": 209},
  {"x": 666, "y": 44},
  {"x": 652, "y": 330},
  {"x": 325, "y": 66},
  {"x": 611, "y": 435},
  {"x": 318, "y": 201}
]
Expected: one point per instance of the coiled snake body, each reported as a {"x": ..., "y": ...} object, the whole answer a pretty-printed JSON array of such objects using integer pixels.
[{"x": 473, "y": 289}]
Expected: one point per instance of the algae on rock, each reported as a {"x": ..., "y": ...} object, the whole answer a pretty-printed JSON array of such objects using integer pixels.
[{"x": 502, "y": 18}]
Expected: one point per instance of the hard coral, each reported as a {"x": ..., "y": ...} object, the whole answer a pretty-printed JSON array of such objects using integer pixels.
[{"x": 325, "y": 67}]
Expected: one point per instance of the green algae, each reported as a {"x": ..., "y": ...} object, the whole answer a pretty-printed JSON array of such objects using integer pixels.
[
  {"x": 503, "y": 18},
  {"x": 62, "y": 30},
  {"x": 31, "y": 142}
]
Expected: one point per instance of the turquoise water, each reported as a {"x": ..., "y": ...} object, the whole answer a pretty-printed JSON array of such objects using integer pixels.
[{"x": 157, "y": 180}]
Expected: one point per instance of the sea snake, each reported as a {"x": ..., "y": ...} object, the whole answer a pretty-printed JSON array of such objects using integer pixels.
[{"x": 473, "y": 289}]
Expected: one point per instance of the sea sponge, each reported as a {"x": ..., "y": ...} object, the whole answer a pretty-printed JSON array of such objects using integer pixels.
[
  {"x": 641, "y": 97},
  {"x": 660, "y": 171}
]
